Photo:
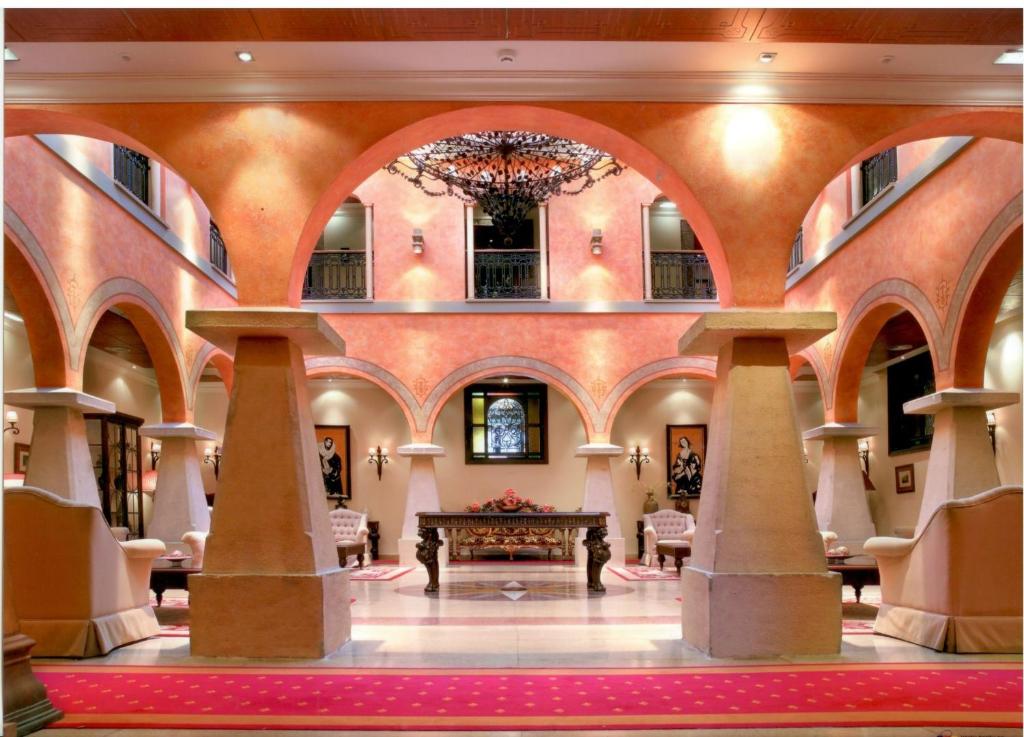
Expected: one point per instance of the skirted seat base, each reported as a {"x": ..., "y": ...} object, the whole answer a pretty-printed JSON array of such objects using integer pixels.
[
  {"x": 86, "y": 638},
  {"x": 951, "y": 633}
]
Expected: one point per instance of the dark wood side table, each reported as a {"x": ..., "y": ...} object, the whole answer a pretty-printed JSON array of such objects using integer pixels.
[
  {"x": 374, "y": 528},
  {"x": 678, "y": 551},
  {"x": 347, "y": 549},
  {"x": 169, "y": 577},
  {"x": 640, "y": 539},
  {"x": 857, "y": 575}
]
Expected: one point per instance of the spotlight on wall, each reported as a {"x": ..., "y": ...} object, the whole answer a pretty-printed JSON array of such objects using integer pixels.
[
  {"x": 1010, "y": 56},
  {"x": 990, "y": 417},
  {"x": 12, "y": 423},
  {"x": 154, "y": 455},
  {"x": 244, "y": 56},
  {"x": 863, "y": 450},
  {"x": 379, "y": 456},
  {"x": 213, "y": 455},
  {"x": 596, "y": 242},
  {"x": 767, "y": 57},
  {"x": 417, "y": 241},
  {"x": 639, "y": 456}
]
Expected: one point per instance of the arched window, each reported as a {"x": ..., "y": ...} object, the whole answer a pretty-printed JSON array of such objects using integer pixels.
[
  {"x": 507, "y": 422},
  {"x": 506, "y": 427}
]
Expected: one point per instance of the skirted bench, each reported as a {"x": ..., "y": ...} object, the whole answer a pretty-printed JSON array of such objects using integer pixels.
[{"x": 504, "y": 539}]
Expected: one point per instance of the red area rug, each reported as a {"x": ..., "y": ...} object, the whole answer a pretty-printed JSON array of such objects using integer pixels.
[{"x": 814, "y": 695}]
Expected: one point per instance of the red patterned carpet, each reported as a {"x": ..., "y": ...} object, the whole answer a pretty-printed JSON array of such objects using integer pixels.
[{"x": 927, "y": 694}]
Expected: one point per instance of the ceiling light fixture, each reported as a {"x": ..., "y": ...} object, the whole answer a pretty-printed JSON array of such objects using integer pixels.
[
  {"x": 506, "y": 56},
  {"x": 1010, "y": 56},
  {"x": 767, "y": 57},
  {"x": 887, "y": 59},
  {"x": 244, "y": 56},
  {"x": 10, "y": 55}
]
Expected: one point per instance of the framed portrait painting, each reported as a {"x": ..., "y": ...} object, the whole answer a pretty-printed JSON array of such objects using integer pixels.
[
  {"x": 685, "y": 449},
  {"x": 905, "y": 479},
  {"x": 332, "y": 444},
  {"x": 21, "y": 457}
]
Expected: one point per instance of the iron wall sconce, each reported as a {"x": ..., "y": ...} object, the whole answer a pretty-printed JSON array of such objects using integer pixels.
[
  {"x": 417, "y": 241},
  {"x": 639, "y": 456},
  {"x": 378, "y": 456},
  {"x": 213, "y": 455},
  {"x": 863, "y": 450},
  {"x": 596, "y": 242},
  {"x": 154, "y": 455},
  {"x": 12, "y": 423},
  {"x": 990, "y": 416}
]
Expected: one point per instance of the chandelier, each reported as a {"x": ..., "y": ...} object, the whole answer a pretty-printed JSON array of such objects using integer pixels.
[{"x": 506, "y": 173}]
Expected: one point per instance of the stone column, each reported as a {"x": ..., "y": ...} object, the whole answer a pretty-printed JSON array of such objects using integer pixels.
[
  {"x": 421, "y": 497},
  {"x": 24, "y": 696},
  {"x": 271, "y": 586},
  {"x": 842, "y": 504},
  {"x": 757, "y": 584},
  {"x": 599, "y": 496},
  {"x": 179, "y": 503},
  {"x": 961, "y": 462},
  {"x": 59, "y": 460}
]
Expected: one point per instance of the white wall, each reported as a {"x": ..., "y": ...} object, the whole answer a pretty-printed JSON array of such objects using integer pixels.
[{"x": 1003, "y": 369}]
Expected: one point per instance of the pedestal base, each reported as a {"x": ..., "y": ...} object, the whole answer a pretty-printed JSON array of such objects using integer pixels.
[
  {"x": 25, "y": 701},
  {"x": 618, "y": 550},
  {"x": 752, "y": 615},
  {"x": 270, "y": 616},
  {"x": 407, "y": 553}
]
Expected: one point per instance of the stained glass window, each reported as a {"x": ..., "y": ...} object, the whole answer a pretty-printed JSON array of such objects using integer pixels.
[{"x": 506, "y": 423}]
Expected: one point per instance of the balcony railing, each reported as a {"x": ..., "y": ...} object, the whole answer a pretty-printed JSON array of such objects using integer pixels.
[
  {"x": 506, "y": 274},
  {"x": 335, "y": 275},
  {"x": 132, "y": 170},
  {"x": 218, "y": 253},
  {"x": 682, "y": 275},
  {"x": 796, "y": 255},
  {"x": 876, "y": 174}
]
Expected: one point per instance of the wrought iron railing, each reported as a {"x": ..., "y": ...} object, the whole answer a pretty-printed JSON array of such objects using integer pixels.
[
  {"x": 335, "y": 275},
  {"x": 132, "y": 170},
  {"x": 682, "y": 275},
  {"x": 506, "y": 274},
  {"x": 218, "y": 253},
  {"x": 796, "y": 255},
  {"x": 876, "y": 174}
]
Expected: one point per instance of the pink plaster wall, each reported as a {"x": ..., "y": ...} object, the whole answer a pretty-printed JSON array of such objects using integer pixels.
[
  {"x": 827, "y": 215},
  {"x": 911, "y": 155}
]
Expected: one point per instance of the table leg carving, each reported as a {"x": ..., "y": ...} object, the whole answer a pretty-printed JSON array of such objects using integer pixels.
[
  {"x": 426, "y": 553},
  {"x": 598, "y": 553}
]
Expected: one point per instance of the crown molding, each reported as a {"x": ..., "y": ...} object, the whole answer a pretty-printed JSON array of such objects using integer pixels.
[{"x": 792, "y": 87}]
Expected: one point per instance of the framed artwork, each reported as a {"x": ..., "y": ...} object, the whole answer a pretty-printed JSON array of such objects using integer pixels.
[
  {"x": 905, "y": 479},
  {"x": 21, "y": 457},
  {"x": 332, "y": 444},
  {"x": 684, "y": 451}
]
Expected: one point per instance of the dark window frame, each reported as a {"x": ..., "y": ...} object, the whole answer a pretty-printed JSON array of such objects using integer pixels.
[
  {"x": 877, "y": 173},
  {"x": 523, "y": 392},
  {"x": 132, "y": 171}
]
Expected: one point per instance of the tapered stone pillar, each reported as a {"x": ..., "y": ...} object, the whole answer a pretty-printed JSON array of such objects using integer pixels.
[
  {"x": 757, "y": 584},
  {"x": 271, "y": 586},
  {"x": 59, "y": 460},
  {"x": 422, "y": 496},
  {"x": 25, "y": 701},
  {"x": 599, "y": 496},
  {"x": 179, "y": 503},
  {"x": 961, "y": 462},
  {"x": 842, "y": 502}
]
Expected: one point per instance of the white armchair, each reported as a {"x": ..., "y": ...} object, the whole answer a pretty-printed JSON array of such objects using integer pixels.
[
  {"x": 666, "y": 525},
  {"x": 827, "y": 539},
  {"x": 196, "y": 541},
  {"x": 349, "y": 527}
]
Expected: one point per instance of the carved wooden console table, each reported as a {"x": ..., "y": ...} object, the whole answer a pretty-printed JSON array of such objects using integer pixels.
[{"x": 596, "y": 523}]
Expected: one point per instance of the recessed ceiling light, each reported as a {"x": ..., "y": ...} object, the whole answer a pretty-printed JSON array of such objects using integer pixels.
[
  {"x": 667, "y": 205},
  {"x": 244, "y": 56},
  {"x": 506, "y": 56},
  {"x": 9, "y": 55},
  {"x": 1010, "y": 56},
  {"x": 767, "y": 57}
]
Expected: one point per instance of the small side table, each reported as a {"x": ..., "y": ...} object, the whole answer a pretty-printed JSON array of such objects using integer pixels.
[
  {"x": 374, "y": 528},
  {"x": 347, "y": 549},
  {"x": 640, "y": 539},
  {"x": 169, "y": 577},
  {"x": 678, "y": 551}
]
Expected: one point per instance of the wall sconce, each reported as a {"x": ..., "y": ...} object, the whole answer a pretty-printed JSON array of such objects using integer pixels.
[
  {"x": 990, "y": 416},
  {"x": 639, "y": 456},
  {"x": 379, "y": 456},
  {"x": 596, "y": 242},
  {"x": 417, "y": 241},
  {"x": 154, "y": 455},
  {"x": 803, "y": 451},
  {"x": 863, "y": 449},
  {"x": 213, "y": 455},
  {"x": 12, "y": 423}
]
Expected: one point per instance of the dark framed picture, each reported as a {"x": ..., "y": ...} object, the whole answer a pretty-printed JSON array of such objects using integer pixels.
[
  {"x": 334, "y": 457},
  {"x": 21, "y": 457},
  {"x": 905, "y": 479},
  {"x": 685, "y": 449}
]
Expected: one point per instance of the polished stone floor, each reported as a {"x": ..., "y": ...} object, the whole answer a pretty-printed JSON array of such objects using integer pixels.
[{"x": 394, "y": 626}]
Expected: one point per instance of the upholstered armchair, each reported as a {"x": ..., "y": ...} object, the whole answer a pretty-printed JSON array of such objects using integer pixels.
[
  {"x": 828, "y": 538},
  {"x": 196, "y": 541},
  {"x": 666, "y": 525},
  {"x": 956, "y": 585},
  {"x": 350, "y": 527},
  {"x": 78, "y": 591}
]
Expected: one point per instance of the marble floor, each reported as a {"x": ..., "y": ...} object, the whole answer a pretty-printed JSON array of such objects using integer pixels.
[{"x": 483, "y": 618}]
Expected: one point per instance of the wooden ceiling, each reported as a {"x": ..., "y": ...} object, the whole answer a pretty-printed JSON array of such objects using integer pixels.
[
  {"x": 901, "y": 334},
  {"x": 117, "y": 336},
  {"x": 1000, "y": 26}
]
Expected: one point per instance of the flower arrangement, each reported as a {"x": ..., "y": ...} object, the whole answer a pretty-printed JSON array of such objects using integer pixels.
[{"x": 509, "y": 501}]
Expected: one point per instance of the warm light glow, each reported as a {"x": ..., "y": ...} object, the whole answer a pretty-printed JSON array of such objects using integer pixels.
[
  {"x": 767, "y": 57},
  {"x": 13, "y": 317},
  {"x": 10, "y": 55},
  {"x": 208, "y": 452},
  {"x": 752, "y": 142},
  {"x": 745, "y": 92},
  {"x": 155, "y": 447},
  {"x": 12, "y": 416},
  {"x": 244, "y": 56},
  {"x": 1010, "y": 56},
  {"x": 862, "y": 445}
]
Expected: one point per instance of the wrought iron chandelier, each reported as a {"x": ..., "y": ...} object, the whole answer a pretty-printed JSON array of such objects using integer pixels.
[{"x": 506, "y": 173}]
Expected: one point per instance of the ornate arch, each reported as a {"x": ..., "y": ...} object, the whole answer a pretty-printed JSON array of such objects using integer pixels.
[
  {"x": 373, "y": 373},
  {"x": 222, "y": 361},
  {"x": 697, "y": 367}
]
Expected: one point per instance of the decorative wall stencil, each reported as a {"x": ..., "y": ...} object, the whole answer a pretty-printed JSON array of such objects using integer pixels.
[
  {"x": 942, "y": 294},
  {"x": 598, "y": 389}
]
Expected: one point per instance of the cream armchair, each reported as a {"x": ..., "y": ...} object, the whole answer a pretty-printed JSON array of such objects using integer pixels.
[
  {"x": 196, "y": 541},
  {"x": 827, "y": 539},
  {"x": 78, "y": 591},
  {"x": 956, "y": 585},
  {"x": 666, "y": 525},
  {"x": 349, "y": 526}
]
